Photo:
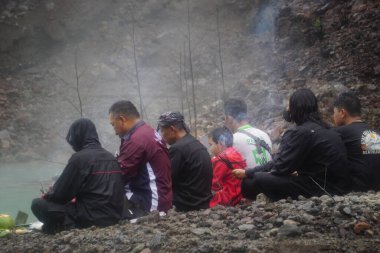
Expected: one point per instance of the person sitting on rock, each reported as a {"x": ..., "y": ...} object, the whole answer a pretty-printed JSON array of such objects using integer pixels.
[
  {"x": 90, "y": 190},
  {"x": 226, "y": 188},
  {"x": 252, "y": 143},
  {"x": 311, "y": 160},
  {"x": 362, "y": 143},
  {"x": 144, "y": 160},
  {"x": 191, "y": 164}
]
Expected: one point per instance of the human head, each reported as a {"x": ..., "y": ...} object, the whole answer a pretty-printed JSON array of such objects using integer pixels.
[
  {"x": 172, "y": 127},
  {"x": 346, "y": 109},
  {"x": 303, "y": 106},
  {"x": 123, "y": 115},
  {"x": 219, "y": 139},
  {"x": 235, "y": 111},
  {"x": 81, "y": 133}
]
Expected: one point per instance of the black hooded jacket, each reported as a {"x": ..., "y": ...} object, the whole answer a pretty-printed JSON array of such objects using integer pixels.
[{"x": 93, "y": 177}]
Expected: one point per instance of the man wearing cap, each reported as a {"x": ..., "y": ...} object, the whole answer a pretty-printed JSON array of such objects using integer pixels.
[
  {"x": 191, "y": 164},
  {"x": 144, "y": 161}
]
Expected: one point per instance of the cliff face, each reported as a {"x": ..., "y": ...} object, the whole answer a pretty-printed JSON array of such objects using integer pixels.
[{"x": 268, "y": 49}]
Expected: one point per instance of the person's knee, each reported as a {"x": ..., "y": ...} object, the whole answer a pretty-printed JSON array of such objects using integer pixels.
[{"x": 37, "y": 204}]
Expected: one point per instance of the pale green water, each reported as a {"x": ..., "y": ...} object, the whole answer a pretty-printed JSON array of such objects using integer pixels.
[{"x": 20, "y": 183}]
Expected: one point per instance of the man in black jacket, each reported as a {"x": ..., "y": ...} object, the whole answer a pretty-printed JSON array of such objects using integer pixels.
[
  {"x": 191, "y": 164},
  {"x": 90, "y": 190},
  {"x": 362, "y": 143},
  {"x": 311, "y": 160}
]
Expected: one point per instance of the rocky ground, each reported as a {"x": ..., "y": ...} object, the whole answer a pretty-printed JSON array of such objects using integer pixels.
[{"x": 319, "y": 224}]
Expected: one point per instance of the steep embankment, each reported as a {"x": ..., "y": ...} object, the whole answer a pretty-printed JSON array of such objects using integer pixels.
[
  {"x": 328, "y": 46},
  {"x": 349, "y": 224}
]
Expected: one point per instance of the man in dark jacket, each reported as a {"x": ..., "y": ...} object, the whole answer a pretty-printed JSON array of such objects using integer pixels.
[
  {"x": 90, "y": 190},
  {"x": 191, "y": 164},
  {"x": 144, "y": 160},
  {"x": 311, "y": 160},
  {"x": 362, "y": 143}
]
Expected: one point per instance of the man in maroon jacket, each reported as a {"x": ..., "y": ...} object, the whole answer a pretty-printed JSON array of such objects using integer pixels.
[{"x": 144, "y": 160}]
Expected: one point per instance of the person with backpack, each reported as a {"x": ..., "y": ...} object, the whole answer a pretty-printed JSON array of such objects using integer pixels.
[
  {"x": 252, "y": 143},
  {"x": 225, "y": 187}
]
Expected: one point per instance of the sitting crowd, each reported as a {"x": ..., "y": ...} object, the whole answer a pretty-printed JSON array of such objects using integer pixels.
[{"x": 313, "y": 159}]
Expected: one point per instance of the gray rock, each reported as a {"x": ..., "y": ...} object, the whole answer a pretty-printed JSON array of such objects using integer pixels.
[
  {"x": 206, "y": 248},
  {"x": 200, "y": 231},
  {"x": 156, "y": 241},
  {"x": 138, "y": 248},
  {"x": 289, "y": 230},
  {"x": 246, "y": 227}
]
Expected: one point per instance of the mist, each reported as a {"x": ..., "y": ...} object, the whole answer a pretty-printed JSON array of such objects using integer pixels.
[{"x": 79, "y": 56}]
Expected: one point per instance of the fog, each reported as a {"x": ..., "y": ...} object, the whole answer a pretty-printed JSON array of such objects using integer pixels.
[{"x": 85, "y": 55}]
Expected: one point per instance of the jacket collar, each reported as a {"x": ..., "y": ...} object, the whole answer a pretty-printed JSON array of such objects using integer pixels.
[{"x": 128, "y": 135}]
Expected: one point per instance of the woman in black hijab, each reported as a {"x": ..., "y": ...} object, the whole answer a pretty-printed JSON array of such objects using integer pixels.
[{"x": 90, "y": 190}]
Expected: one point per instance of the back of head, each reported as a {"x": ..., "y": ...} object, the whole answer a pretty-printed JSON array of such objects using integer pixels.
[
  {"x": 349, "y": 102},
  {"x": 303, "y": 107},
  {"x": 82, "y": 133},
  {"x": 125, "y": 108},
  {"x": 222, "y": 135},
  {"x": 236, "y": 109},
  {"x": 175, "y": 119}
]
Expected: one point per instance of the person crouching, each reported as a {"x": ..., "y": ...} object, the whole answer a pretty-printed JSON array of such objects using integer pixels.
[
  {"x": 90, "y": 190},
  {"x": 225, "y": 187}
]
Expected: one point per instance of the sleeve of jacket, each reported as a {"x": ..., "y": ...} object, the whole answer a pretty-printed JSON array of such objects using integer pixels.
[
  {"x": 176, "y": 161},
  {"x": 294, "y": 147},
  {"x": 131, "y": 157},
  {"x": 68, "y": 184},
  {"x": 224, "y": 194},
  {"x": 219, "y": 172}
]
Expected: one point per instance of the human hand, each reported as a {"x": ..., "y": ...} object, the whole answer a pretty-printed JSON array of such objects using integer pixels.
[{"x": 239, "y": 173}]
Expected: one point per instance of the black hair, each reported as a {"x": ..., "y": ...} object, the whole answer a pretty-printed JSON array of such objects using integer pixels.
[
  {"x": 124, "y": 107},
  {"x": 303, "y": 107},
  {"x": 222, "y": 134},
  {"x": 350, "y": 102},
  {"x": 236, "y": 108}
]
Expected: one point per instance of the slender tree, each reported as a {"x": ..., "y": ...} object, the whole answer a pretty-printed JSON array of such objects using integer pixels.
[
  {"x": 220, "y": 52},
  {"x": 135, "y": 61},
  {"x": 191, "y": 69},
  {"x": 77, "y": 77},
  {"x": 186, "y": 85},
  {"x": 180, "y": 80}
]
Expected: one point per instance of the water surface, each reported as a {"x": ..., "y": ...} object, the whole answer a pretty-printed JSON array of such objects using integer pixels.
[{"x": 21, "y": 182}]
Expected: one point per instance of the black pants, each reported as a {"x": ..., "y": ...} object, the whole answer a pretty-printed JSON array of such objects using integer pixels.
[
  {"x": 279, "y": 187},
  {"x": 52, "y": 215},
  {"x": 133, "y": 210}
]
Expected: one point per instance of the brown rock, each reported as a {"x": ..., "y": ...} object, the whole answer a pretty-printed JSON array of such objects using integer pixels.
[{"x": 361, "y": 226}]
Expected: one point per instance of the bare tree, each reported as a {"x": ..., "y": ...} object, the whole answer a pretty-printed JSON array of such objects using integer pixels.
[
  {"x": 77, "y": 77},
  {"x": 180, "y": 80},
  {"x": 191, "y": 69},
  {"x": 135, "y": 60},
  {"x": 186, "y": 84},
  {"x": 220, "y": 52}
]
